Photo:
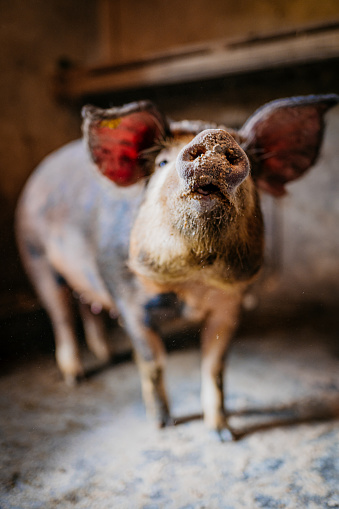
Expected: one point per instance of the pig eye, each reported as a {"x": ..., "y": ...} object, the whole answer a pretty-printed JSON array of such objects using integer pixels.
[{"x": 163, "y": 162}]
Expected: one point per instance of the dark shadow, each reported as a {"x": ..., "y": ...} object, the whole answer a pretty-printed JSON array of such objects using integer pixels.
[
  {"x": 116, "y": 360},
  {"x": 297, "y": 413},
  {"x": 303, "y": 412},
  {"x": 177, "y": 421}
]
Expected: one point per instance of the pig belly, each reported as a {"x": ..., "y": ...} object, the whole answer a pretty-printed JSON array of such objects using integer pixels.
[
  {"x": 72, "y": 259},
  {"x": 175, "y": 308},
  {"x": 203, "y": 300}
]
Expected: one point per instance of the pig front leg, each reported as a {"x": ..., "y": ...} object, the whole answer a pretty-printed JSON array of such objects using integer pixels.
[
  {"x": 216, "y": 335},
  {"x": 152, "y": 384},
  {"x": 150, "y": 357}
]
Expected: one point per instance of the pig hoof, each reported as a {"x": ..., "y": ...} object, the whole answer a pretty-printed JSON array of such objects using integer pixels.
[
  {"x": 165, "y": 421},
  {"x": 69, "y": 363},
  {"x": 223, "y": 432},
  {"x": 100, "y": 348},
  {"x": 105, "y": 356},
  {"x": 73, "y": 376},
  {"x": 216, "y": 420},
  {"x": 73, "y": 380},
  {"x": 223, "y": 435}
]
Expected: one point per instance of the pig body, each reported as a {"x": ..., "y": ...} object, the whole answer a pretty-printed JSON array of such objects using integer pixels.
[
  {"x": 76, "y": 239},
  {"x": 179, "y": 233}
]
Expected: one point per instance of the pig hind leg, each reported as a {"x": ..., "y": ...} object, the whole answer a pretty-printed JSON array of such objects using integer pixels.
[
  {"x": 56, "y": 298},
  {"x": 95, "y": 333}
]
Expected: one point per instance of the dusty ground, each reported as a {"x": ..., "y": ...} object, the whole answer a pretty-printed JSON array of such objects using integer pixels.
[{"x": 91, "y": 447}]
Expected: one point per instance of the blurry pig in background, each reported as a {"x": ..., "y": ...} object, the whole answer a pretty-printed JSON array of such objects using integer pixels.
[{"x": 160, "y": 220}]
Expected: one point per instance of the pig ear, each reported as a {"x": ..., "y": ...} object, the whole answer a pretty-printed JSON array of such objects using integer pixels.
[
  {"x": 121, "y": 139},
  {"x": 282, "y": 139}
]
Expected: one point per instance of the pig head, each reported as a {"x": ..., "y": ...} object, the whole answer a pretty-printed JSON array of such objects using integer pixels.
[
  {"x": 156, "y": 220},
  {"x": 201, "y": 201}
]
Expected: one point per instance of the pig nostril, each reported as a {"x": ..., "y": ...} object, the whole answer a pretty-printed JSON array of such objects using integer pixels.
[
  {"x": 232, "y": 156},
  {"x": 196, "y": 152}
]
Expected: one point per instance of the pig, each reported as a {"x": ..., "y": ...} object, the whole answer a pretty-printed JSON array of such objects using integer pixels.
[{"x": 156, "y": 220}]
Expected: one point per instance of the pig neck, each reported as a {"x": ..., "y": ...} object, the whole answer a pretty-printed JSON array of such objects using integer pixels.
[{"x": 162, "y": 254}]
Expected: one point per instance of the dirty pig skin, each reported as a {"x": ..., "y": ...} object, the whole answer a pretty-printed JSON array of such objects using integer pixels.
[{"x": 156, "y": 220}]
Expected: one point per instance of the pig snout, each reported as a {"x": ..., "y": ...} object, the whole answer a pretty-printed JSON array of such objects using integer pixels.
[{"x": 212, "y": 165}]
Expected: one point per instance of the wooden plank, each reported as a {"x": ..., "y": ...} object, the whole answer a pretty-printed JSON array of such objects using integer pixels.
[
  {"x": 105, "y": 43},
  {"x": 203, "y": 63},
  {"x": 147, "y": 26}
]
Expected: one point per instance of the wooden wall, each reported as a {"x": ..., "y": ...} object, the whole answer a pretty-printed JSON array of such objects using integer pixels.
[
  {"x": 133, "y": 29},
  {"x": 37, "y": 36},
  {"x": 34, "y": 36}
]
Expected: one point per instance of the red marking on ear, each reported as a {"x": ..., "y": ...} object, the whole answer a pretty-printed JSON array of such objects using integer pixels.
[{"x": 116, "y": 150}]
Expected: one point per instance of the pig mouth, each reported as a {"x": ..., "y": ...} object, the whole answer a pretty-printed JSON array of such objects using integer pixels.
[
  {"x": 207, "y": 196},
  {"x": 209, "y": 190}
]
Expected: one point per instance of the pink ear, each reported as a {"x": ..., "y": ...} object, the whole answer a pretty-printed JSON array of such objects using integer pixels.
[
  {"x": 283, "y": 138},
  {"x": 117, "y": 137}
]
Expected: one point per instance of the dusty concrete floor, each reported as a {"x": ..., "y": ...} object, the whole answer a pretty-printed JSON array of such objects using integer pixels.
[{"x": 91, "y": 447}]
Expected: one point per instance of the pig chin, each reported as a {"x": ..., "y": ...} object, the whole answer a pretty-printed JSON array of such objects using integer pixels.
[
  {"x": 206, "y": 205},
  {"x": 203, "y": 221}
]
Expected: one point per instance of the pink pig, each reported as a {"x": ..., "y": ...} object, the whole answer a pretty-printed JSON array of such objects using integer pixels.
[{"x": 160, "y": 220}]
